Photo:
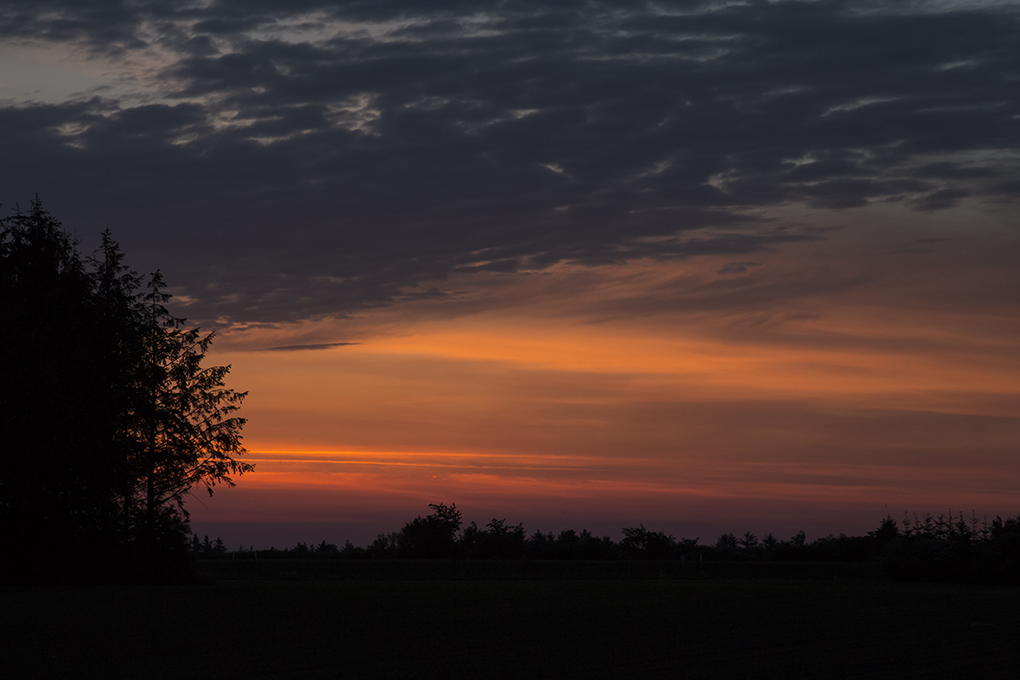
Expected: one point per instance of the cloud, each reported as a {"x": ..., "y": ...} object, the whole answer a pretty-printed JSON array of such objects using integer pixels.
[
  {"x": 737, "y": 267},
  {"x": 301, "y": 348},
  {"x": 284, "y": 161}
]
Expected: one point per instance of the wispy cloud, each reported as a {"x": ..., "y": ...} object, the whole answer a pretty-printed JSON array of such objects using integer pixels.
[{"x": 301, "y": 348}]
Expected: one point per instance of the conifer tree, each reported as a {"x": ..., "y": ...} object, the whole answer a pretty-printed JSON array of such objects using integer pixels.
[
  {"x": 185, "y": 430},
  {"x": 108, "y": 419}
]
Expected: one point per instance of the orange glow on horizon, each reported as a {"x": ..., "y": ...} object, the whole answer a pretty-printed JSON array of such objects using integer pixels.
[{"x": 851, "y": 395}]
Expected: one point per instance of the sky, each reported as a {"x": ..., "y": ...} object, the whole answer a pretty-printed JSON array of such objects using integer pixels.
[{"x": 703, "y": 266}]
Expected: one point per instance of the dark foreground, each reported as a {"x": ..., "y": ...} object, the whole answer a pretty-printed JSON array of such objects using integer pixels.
[{"x": 512, "y": 628}]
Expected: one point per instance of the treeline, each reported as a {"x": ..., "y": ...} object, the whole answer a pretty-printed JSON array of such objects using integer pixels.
[{"x": 928, "y": 547}]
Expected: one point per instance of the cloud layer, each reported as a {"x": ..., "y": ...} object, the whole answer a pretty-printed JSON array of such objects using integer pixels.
[{"x": 285, "y": 161}]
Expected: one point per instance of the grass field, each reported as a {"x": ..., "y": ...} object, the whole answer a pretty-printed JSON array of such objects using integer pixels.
[{"x": 518, "y": 628}]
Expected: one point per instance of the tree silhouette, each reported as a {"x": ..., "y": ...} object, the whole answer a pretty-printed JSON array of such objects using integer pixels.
[
  {"x": 107, "y": 417},
  {"x": 183, "y": 426},
  {"x": 727, "y": 543},
  {"x": 434, "y": 536},
  {"x": 749, "y": 542},
  {"x": 641, "y": 543},
  {"x": 498, "y": 541}
]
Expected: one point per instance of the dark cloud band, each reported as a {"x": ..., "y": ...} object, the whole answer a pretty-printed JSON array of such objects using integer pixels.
[{"x": 309, "y": 158}]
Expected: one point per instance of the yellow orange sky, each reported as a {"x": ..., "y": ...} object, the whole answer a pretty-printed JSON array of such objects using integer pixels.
[{"x": 785, "y": 390}]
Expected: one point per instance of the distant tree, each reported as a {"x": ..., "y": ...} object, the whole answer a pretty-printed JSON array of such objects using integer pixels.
[
  {"x": 886, "y": 532},
  {"x": 749, "y": 542},
  {"x": 434, "y": 536},
  {"x": 687, "y": 546},
  {"x": 981, "y": 527},
  {"x": 326, "y": 548},
  {"x": 384, "y": 546},
  {"x": 794, "y": 549},
  {"x": 591, "y": 547},
  {"x": 541, "y": 545},
  {"x": 506, "y": 540},
  {"x": 726, "y": 542},
  {"x": 639, "y": 542},
  {"x": 960, "y": 530},
  {"x": 1005, "y": 527},
  {"x": 498, "y": 541},
  {"x": 350, "y": 550},
  {"x": 471, "y": 541},
  {"x": 568, "y": 545},
  {"x": 568, "y": 537},
  {"x": 1004, "y": 544}
]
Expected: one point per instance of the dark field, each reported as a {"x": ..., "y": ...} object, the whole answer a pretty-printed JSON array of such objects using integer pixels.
[{"x": 707, "y": 627}]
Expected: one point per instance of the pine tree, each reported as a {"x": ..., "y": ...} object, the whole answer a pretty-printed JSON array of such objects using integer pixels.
[
  {"x": 185, "y": 429},
  {"x": 107, "y": 417}
]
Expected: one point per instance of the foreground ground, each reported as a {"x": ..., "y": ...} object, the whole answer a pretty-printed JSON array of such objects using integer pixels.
[{"x": 520, "y": 628}]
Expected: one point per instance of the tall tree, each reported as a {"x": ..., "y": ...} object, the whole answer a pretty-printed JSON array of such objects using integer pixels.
[
  {"x": 107, "y": 416},
  {"x": 186, "y": 431},
  {"x": 52, "y": 396}
]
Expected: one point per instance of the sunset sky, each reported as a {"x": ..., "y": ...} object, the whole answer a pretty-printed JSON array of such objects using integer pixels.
[{"x": 707, "y": 266}]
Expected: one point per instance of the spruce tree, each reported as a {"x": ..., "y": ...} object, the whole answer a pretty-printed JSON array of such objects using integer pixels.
[{"x": 107, "y": 417}]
